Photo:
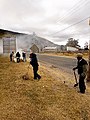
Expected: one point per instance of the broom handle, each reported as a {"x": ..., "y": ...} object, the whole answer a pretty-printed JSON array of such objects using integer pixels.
[
  {"x": 75, "y": 76},
  {"x": 28, "y": 67}
]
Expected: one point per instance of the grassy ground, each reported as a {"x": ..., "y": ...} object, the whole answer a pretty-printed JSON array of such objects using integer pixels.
[
  {"x": 46, "y": 99},
  {"x": 67, "y": 54}
]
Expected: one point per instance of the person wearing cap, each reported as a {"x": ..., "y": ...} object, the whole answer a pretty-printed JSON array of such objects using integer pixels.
[{"x": 82, "y": 71}]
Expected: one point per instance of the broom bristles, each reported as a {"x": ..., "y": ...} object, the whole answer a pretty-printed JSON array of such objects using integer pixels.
[
  {"x": 75, "y": 84},
  {"x": 26, "y": 76}
]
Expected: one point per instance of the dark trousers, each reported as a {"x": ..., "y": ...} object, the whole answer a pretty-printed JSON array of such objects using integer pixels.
[
  {"x": 10, "y": 58},
  {"x": 24, "y": 59},
  {"x": 82, "y": 86},
  {"x": 36, "y": 75}
]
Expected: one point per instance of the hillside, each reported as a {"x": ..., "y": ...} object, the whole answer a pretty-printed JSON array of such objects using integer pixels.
[{"x": 26, "y": 41}]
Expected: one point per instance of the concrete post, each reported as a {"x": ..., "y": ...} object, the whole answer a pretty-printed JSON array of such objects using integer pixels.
[{"x": 88, "y": 77}]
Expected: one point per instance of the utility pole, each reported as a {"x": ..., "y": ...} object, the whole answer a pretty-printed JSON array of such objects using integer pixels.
[{"x": 88, "y": 77}]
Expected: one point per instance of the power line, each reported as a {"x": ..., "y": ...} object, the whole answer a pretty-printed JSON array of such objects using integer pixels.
[
  {"x": 71, "y": 25},
  {"x": 73, "y": 9},
  {"x": 70, "y": 10},
  {"x": 83, "y": 3}
]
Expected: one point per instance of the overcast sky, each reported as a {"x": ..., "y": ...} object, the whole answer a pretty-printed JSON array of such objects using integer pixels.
[{"x": 47, "y": 18}]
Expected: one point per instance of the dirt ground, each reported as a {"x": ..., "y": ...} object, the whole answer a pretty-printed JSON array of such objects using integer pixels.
[{"x": 53, "y": 97}]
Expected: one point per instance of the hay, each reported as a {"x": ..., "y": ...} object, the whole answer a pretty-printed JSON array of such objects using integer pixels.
[{"x": 25, "y": 77}]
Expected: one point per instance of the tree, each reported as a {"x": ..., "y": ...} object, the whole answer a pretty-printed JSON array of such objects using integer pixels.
[
  {"x": 86, "y": 46},
  {"x": 72, "y": 42}
]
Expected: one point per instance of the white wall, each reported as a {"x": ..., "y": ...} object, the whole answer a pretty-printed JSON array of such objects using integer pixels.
[
  {"x": 72, "y": 49},
  {"x": 1, "y": 46}
]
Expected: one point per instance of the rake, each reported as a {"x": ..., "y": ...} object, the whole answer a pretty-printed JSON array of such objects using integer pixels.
[{"x": 76, "y": 84}]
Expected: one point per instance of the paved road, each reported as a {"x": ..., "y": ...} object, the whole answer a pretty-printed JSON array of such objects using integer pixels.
[{"x": 63, "y": 63}]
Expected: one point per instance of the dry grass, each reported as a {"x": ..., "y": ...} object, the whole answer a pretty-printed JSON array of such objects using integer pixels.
[
  {"x": 68, "y": 54},
  {"x": 46, "y": 99}
]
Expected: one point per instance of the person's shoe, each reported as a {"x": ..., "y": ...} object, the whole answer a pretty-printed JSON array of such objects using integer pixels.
[
  {"x": 39, "y": 77},
  {"x": 82, "y": 92}
]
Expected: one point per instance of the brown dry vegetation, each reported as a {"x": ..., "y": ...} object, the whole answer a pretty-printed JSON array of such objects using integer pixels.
[
  {"x": 68, "y": 54},
  {"x": 46, "y": 99}
]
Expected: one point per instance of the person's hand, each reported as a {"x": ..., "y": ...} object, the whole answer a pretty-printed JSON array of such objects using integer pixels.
[
  {"x": 31, "y": 62},
  {"x": 74, "y": 69},
  {"x": 83, "y": 75}
]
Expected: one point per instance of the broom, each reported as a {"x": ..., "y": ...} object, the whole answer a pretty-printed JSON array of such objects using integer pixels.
[
  {"x": 26, "y": 76},
  {"x": 76, "y": 84}
]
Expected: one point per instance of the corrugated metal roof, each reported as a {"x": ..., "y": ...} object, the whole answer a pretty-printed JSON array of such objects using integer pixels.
[{"x": 50, "y": 48}]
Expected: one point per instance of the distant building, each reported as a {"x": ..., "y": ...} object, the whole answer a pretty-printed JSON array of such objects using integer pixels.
[
  {"x": 9, "y": 44},
  {"x": 69, "y": 48},
  {"x": 50, "y": 49},
  {"x": 61, "y": 48},
  {"x": 34, "y": 48}
]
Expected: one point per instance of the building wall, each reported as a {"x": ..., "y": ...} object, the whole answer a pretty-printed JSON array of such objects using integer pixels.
[
  {"x": 1, "y": 46},
  {"x": 9, "y": 45},
  {"x": 50, "y": 49},
  {"x": 71, "y": 49},
  {"x": 34, "y": 49}
]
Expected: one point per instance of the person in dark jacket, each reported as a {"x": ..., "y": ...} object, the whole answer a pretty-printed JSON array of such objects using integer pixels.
[
  {"x": 24, "y": 56},
  {"x": 11, "y": 56},
  {"x": 82, "y": 72},
  {"x": 34, "y": 63},
  {"x": 18, "y": 57}
]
